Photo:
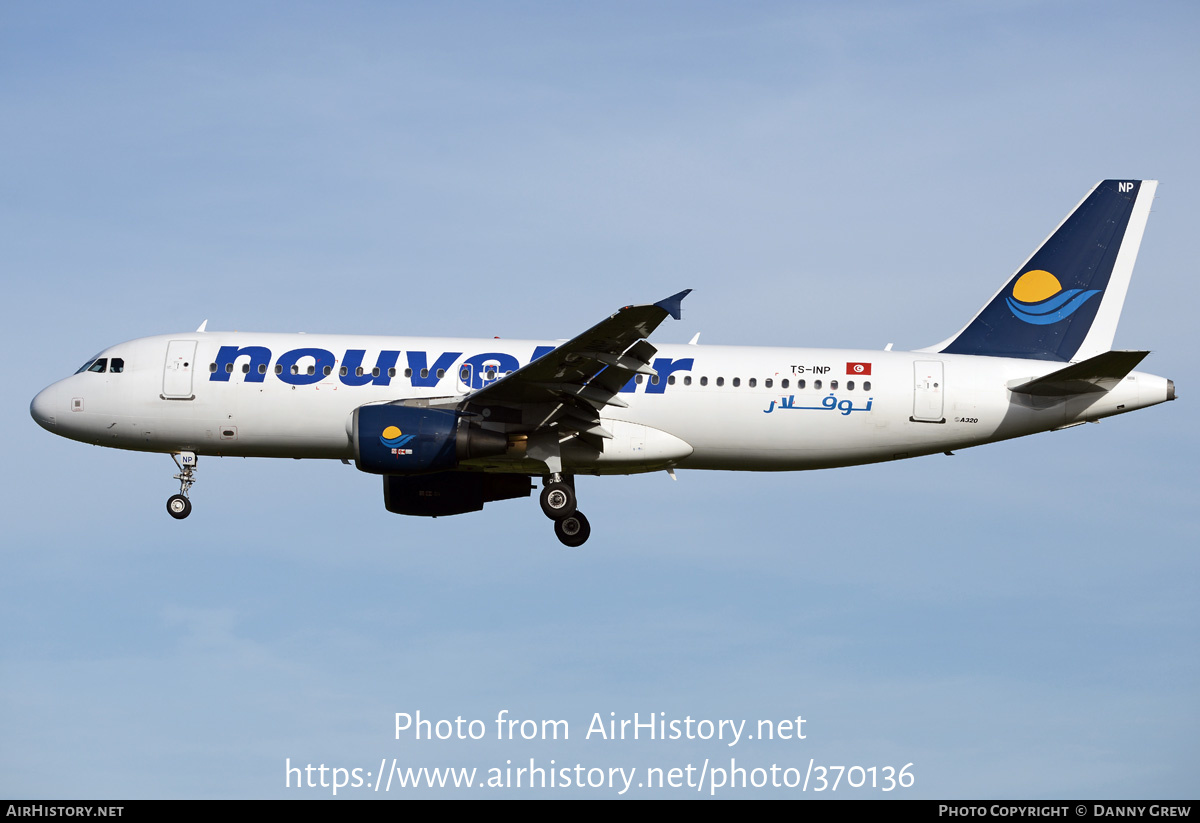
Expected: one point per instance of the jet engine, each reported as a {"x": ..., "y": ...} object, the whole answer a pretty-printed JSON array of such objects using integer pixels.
[{"x": 405, "y": 440}]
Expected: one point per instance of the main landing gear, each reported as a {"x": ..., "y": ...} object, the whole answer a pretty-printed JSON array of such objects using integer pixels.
[
  {"x": 558, "y": 503},
  {"x": 178, "y": 505}
]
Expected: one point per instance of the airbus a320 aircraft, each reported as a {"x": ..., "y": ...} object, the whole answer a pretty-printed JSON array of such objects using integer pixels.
[{"x": 453, "y": 424}]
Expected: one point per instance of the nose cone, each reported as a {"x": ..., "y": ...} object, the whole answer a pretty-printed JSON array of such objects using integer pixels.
[{"x": 44, "y": 408}]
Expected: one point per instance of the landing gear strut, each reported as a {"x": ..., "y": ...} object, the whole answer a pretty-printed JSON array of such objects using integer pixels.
[
  {"x": 558, "y": 503},
  {"x": 178, "y": 505}
]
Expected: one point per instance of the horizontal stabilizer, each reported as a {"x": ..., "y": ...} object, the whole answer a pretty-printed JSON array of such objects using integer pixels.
[{"x": 1096, "y": 374}]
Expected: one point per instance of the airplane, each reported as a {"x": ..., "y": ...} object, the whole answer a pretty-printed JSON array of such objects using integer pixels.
[{"x": 453, "y": 424}]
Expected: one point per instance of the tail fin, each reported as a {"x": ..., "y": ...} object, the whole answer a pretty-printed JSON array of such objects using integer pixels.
[{"x": 1064, "y": 303}]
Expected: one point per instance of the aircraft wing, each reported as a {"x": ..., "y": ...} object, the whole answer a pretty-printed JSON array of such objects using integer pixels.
[{"x": 567, "y": 387}]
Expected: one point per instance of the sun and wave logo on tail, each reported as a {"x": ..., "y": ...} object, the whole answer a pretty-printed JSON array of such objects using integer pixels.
[
  {"x": 396, "y": 440},
  {"x": 1038, "y": 298}
]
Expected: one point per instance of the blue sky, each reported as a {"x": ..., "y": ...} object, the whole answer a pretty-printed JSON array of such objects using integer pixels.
[{"x": 1016, "y": 621}]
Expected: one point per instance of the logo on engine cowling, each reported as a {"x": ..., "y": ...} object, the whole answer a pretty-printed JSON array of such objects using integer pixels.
[{"x": 396, "y": 440}]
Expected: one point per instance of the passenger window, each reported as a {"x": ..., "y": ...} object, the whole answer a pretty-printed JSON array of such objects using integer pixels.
[
  {"x": 801, "y": 384},
  {"x": 687, "y": 380},
  {"x": 638, "y": 379},
  {"x": 374, "y": 372},
  {"x": 737, "y": 381},
  {"x": 229, "y": 368},
  {"x": 116, "y": 365},
  {"x": 654, "y": 380},
  {"x": 343, "y": 371},
  {"x": 245, "y": 368},
  {"x": 328, "y": 370},
  {"x": 784, "y": 383},
  {"x": 391, "y": 372},
  {"x": 867, "y": 386},
  {"x": 671, "y": 380},
  {"x": 849, "y": 385},
  {"x": 442, "y": 373},
  {"x": 358, "y": 372},
  {"x": 262, "y": 368},
  {"x": 833, "y": 384},
  {"x": 816, "y": 384},
  {"x": 279, "y": 368},
  {"x": 703, "y": 381},
  {"x": 212, "y": 367},
  {"x": 753, "y": 382},
  {"x": 720, "y": 381},
  {"x": 312, "y": 370},
  {"x": 464, "y": 374},
  {"x": 408, "y": 372},
  {"x": 424, "y": 373}
]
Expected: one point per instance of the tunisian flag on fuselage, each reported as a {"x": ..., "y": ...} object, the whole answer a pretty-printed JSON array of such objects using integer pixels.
[{"x": 858, "y": 368}]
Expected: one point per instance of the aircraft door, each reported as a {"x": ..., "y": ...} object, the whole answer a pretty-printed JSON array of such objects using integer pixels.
[
  {"x": 928, "y": 391},
  {"x": 177, "y": 371},
  {"x": 463, "y": 386}
]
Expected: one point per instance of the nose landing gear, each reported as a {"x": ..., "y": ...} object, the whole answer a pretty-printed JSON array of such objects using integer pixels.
[
  {"x": 558, "y": 503},
  {"x": 178, "y": 505}
]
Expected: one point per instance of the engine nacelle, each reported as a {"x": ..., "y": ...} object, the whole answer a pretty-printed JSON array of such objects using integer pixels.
[{"x": 402, "y": 440}]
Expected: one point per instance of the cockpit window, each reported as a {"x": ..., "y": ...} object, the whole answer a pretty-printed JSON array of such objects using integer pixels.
[{"x": 100, "y": 365}]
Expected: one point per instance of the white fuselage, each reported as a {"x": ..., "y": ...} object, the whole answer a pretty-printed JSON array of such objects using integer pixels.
[{"x": 720, "y": 407}]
